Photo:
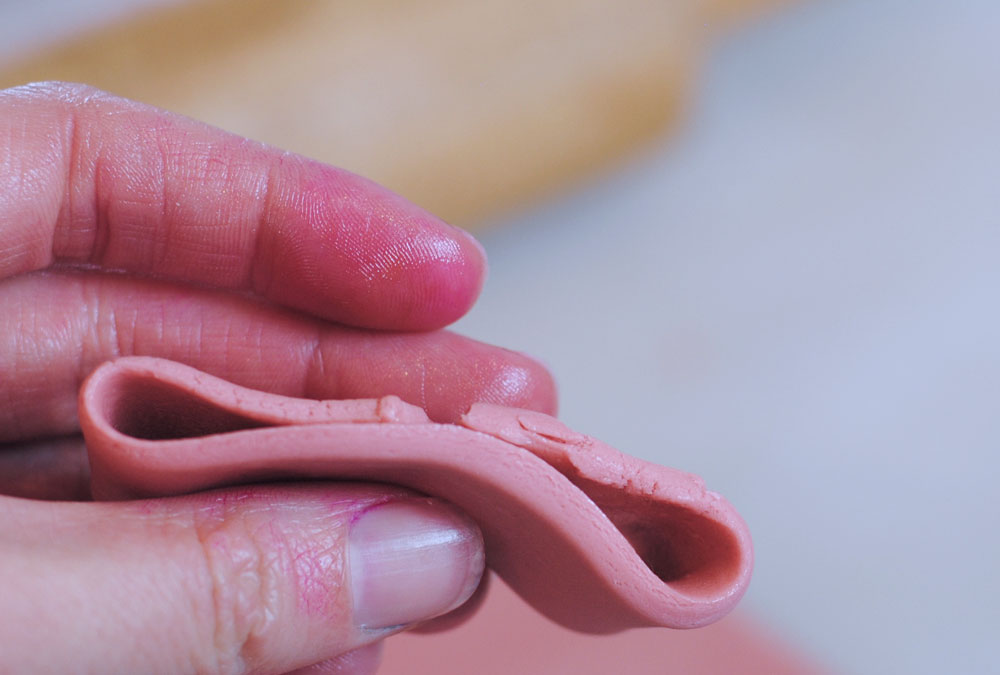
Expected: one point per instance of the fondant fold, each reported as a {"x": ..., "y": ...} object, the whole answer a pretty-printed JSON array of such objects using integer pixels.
[{"x": 592, "y": 538}]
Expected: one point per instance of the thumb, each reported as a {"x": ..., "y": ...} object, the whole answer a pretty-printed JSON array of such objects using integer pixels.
[{"x": 263, "y": 579}]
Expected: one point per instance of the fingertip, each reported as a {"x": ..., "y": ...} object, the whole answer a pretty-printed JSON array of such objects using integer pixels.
[
  {"x": 354, "y": 251},
  {"x": 441, "y": 271},
  {"x": 433, "y": 271},
  {"x": 522, "y": 381},
  {"x": 446, "y": 373},
  {"x": 473, "y": 269}
]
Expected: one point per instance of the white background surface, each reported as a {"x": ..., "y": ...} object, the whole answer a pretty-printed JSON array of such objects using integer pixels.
[{"x": 796, "y": 298}]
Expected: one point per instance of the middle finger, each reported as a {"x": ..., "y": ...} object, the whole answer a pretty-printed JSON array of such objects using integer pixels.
[{"x": 55, "y": 327}]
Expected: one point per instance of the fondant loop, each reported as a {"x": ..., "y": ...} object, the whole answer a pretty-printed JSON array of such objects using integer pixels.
[{"x": 592, "y": 538}]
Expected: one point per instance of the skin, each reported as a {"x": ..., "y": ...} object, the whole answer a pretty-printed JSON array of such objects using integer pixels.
[{"x": 125, "y": 230}]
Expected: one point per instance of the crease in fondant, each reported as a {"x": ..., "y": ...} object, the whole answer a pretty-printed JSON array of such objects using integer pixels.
[{"x": 592, "y": 538}]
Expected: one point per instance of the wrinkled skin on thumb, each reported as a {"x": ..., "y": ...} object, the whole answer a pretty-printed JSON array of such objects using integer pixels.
[{"x": 267, "y": 579}]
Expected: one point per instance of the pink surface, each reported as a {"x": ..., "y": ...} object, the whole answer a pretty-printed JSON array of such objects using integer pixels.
[
  {"x": 594, "y": 539},
  {"x": 506, "y": 636}
]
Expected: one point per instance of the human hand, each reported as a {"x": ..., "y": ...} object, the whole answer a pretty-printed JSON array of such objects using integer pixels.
[{"x": 127, "y": 230}]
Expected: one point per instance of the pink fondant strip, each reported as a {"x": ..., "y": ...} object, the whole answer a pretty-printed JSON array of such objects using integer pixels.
[{"x": 592, "y": 538}]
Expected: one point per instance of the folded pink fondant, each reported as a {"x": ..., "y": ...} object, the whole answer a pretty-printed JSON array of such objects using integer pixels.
[{"x": 592, "y": 538}]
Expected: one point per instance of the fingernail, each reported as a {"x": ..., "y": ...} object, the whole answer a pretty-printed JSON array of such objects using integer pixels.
[{"x": 412, "y": 560}]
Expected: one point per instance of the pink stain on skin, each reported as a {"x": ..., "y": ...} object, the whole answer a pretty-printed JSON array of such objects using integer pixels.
[
  {"x": 313, "y": 561},
  {"x": 317, "y": 596},
  {"x": 318, "y": 563},
  {"x": 316, "y": 566}
]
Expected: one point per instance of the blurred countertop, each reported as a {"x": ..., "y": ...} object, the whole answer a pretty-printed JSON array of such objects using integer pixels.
[{"x": 797, "y": 298}]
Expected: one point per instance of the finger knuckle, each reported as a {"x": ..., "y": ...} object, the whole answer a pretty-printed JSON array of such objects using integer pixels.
[{"x": 243, "y": 570}]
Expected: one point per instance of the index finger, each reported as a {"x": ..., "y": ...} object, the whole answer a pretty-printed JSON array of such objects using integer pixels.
[{"x": 90, "y": 178}]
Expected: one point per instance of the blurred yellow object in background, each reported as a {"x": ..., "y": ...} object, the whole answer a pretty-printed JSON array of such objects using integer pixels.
[{"x": 466, "y": 108}]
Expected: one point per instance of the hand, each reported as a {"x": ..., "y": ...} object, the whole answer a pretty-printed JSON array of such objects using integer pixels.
[{"x": 128, "y": 230}]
